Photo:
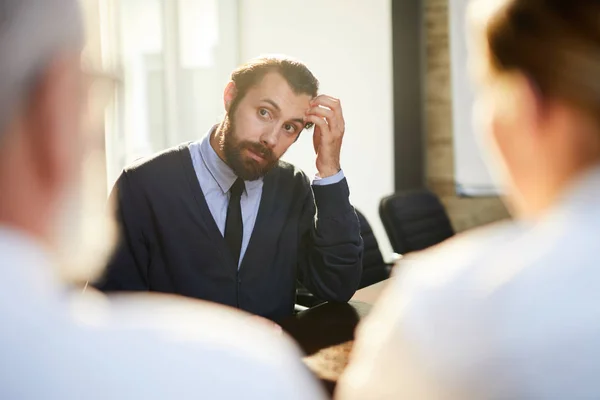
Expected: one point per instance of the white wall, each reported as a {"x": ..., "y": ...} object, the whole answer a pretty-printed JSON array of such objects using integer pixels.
[
  {"x": 347, "y": 44},
  {"x": 472, "y": 174}
]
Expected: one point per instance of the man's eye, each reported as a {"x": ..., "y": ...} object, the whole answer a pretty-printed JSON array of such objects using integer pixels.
[
  {"x": 290, "y": 128},
  {"x": 263, "y": 112}
]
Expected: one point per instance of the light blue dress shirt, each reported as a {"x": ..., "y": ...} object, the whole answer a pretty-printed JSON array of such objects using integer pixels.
[{"x": 216, "y": 178}]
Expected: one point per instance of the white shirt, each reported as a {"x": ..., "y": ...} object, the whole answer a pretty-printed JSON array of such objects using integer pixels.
[
  {"x": 54, "y": 345},
  {"x": 508, "y": 312}
]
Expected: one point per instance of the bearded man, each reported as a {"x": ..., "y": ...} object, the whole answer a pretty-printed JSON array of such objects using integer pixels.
[{"x": 225, "y": 220}]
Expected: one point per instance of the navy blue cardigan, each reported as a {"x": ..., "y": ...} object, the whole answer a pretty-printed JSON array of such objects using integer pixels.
[{"x": 170, "y": 242}]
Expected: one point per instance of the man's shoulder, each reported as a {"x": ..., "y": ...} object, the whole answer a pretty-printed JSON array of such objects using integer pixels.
[
  {"x": 435, "y": 300},
  {"x": 198, "y": 345},
  {"x": 204, "y": 322},
  {"x": 291, "y": 173},
  {"x": 160, "y": 169},
  {"x": 444, "y": 279},
  {"x": 158, "y": 160},
  {"x": 151, "y": 347},
  {"x": 458, "y": 261}
]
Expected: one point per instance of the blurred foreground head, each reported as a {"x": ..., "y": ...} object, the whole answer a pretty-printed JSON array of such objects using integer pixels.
[
  {"x": 536, "y": 64},
  {"x": 46, "y": 145}
]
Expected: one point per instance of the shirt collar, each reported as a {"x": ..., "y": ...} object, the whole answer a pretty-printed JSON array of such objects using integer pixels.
[{"x": 220, "y": 171}]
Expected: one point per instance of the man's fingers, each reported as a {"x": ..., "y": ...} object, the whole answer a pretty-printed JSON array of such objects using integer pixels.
[
  {"x": 322, "y": 112},
  {"x": 318, "y": 121},
  {"x": 324, "y": 102},
  {"x": 335, "y": 122},
  {"x": 327, "y": 101},
  {"x": 320, "y": 127}
]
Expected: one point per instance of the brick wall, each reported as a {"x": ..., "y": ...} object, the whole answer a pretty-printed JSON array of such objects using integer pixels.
[{"x": 464, "y": 213}]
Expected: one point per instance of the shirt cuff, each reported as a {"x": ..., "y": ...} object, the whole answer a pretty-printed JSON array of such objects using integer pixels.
[{"x": 330, "y": 180}]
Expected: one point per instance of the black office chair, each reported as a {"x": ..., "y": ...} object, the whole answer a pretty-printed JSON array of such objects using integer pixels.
[
  {"x": 374, "y": 267},
  {"x": 414, "y": 220}
]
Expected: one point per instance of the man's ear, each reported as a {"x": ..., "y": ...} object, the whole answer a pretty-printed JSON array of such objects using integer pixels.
[{"x": 229, "y": 95}]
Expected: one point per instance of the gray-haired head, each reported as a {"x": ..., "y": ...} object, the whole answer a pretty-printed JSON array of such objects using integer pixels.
[{"x": 32, "y": 32}]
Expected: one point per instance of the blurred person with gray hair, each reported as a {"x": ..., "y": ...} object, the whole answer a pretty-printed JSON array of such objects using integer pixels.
[{"x": 56, "y": 345}]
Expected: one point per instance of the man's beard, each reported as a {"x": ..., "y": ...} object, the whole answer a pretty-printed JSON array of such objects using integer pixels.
[{"x": 242, "y": 165}]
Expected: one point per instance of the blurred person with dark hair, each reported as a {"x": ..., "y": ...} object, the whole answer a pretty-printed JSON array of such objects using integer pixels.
[
  {"x": 224, "y": 219},
  {"x": 57, "y": 345},
  {"x": 509, "y": 311}
]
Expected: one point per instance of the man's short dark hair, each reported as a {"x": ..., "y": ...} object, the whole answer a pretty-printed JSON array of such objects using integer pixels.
[{"x": 297, "y": 75}]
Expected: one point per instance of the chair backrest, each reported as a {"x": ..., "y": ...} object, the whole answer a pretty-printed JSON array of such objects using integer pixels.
[
  {"x": 374, "y": 267},
  {"x": 414, "y": 220}
]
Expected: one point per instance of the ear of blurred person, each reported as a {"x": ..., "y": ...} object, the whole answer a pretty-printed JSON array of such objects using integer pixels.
[
  {"x": 53, "y": 230},
  {"x": 508, "y": 311}
]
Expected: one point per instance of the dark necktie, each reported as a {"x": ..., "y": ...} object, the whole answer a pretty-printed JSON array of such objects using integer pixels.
[{"x": 234, "y": 228}]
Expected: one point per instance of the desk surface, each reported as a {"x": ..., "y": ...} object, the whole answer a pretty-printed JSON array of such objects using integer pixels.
[
  {"x": 326, "y": 333},
  {"x": 370, "y": 294}
]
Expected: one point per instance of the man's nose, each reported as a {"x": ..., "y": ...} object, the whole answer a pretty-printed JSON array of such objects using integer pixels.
[{"x": 269, "y": 137}]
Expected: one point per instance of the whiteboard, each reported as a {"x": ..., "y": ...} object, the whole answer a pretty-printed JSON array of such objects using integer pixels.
[{"x": 472, "y": 175}]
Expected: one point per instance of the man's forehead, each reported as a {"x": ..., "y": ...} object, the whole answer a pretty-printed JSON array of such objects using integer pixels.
[{"x": 275, "y": 87}]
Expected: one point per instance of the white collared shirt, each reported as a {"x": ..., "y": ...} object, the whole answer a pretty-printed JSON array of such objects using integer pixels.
[
  {"x": 507, "y": 312},
  {"x": 55, "y": 345}
]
